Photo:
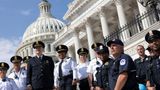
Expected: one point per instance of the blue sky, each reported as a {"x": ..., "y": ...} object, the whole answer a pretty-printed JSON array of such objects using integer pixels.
[{"x": 16, "y": 16}]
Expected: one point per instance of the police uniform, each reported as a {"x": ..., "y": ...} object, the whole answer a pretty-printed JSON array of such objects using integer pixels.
[
  {"x": 20, "y": 76},
  {"x": 141, "y": 72},
  {"x": 7, "y": 83},
  {"x": 94, "y": 64},
  {"x": 65, "y": 71},
  {"x": 153, "y": 64},
  {"x": 123, "y": 63},
  {"x": 82, "y": 70},
  {"x": 141, "y": 69},
  {"x": 103, "y": 70},
  {"x": 40, "y": 71}
]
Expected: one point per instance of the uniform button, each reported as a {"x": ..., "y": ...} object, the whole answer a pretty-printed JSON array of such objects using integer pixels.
[{"x": 41, "y": 70}]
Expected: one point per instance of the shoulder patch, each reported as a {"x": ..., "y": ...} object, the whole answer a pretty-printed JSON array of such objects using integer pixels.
[{"x": 122, "y": 62}]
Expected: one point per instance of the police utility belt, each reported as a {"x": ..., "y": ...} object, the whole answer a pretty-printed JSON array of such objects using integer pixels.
[{"x": 65, "y": 77}]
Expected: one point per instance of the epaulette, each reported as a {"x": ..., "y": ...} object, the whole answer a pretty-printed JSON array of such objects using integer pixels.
[
  {"x": 69, "y": 58},
  {"x": 9, "y": 79}
]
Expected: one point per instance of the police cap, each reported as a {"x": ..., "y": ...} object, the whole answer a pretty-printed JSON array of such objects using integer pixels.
[
  {"x": 61, "y": 48},
  {"x": 4, "y": 65},
  {"x": 26, "y": 59},
  {"x": 95, "y": 45},
  {"x": 81, "y": 51},
  {"x": 152, "y": 35},
  {"x": 102, "y": 49},
  {"x": 115, "y": 41},
  {"x": 38, "y": 44},
  {"x": 15, "y": 59}
]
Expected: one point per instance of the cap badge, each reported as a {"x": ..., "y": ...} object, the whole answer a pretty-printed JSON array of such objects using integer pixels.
[
  {"x": 60, "y": 47},
  {"x": 150, "y": 33},
  {"x": 37, "y": 43},
  {"x": 82, "y": 49},
  {"x": 2, "y": 64},
  {"x": 95, "y": 45},
  {"x": 101, "y": 47},
  {"x": 15, "y": 58},
  {"x": 27, "y": 57}
]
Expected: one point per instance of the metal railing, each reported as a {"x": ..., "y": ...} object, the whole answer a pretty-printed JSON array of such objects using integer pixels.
[{"x": 141, "y": 22}]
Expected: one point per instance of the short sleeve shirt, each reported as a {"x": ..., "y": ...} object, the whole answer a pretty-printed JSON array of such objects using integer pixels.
[{"x": 123, "y": 64}]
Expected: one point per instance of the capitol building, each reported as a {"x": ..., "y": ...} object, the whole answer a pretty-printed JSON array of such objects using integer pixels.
[{"x": 91, "y": 21}]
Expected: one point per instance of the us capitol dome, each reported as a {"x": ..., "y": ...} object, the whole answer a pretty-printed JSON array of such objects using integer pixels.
[{"x": 44, "y": 29}]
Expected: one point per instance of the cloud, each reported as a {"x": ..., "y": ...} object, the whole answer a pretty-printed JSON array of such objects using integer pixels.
[
  {"x": 8, "y": 48},
  {"x": 26, "y": 12}
]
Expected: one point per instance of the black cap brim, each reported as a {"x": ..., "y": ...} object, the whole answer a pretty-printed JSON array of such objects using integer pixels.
[{"x": 109, "y": 43}]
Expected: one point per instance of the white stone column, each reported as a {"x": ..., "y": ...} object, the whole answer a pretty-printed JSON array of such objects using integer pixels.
[
  {"x": 29, "y": 51},
  {"x": 70, "y": 52},
  {"x": 122, "y": 19},
  {"x": 89, "y": 37},
  {"x": 77, "y": 44},
  {"x": 142, "y": 10},
  {"x": 104, "y": 24},
  {"x": 46, "y": 48}
]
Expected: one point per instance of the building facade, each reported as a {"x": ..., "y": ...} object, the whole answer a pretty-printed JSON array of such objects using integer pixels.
[{"x": 101, "y": 20}]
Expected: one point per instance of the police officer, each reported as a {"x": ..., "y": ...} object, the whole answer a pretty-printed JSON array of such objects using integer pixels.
[
  {"x": 82, "y": 69},
  {"x": 40, "y": 69},
  {"x": 103, "y": 70},
  {"x": 25, "y": 61},
  {"x": 141, "y": 66},
  {"x": 6, "y": 83},
  {"x": 95, "y": 63},
  {"x": 122, "y": 75},
  {"x": 65, "y": 72},
  {"x": 153, "y": 64},
  {"x": 19, "y": 74}
]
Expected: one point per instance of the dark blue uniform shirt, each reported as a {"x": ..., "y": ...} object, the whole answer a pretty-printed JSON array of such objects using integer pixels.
[
  {"x": 123, "y": 64},
  {"x": 141, "y": 69},
  {"x": 102, "y": 75},
  {"x": 153, "y": 71}
]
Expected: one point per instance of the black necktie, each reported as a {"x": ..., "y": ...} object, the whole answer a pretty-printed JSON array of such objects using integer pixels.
[
  {"x": 4, "y": 79},
  {"x": 60, "y": 69},
  {"x": 40, "y": 59}
]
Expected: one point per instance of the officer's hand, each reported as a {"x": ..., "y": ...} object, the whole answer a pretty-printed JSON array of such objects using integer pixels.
[
  {"x": 29, "y": 87},
  {"x": 91, "y": 88},
  {"x": 74, "y": 82},
  {"x": 56, "y": 88},
  {"x": 98, "y": 88}
]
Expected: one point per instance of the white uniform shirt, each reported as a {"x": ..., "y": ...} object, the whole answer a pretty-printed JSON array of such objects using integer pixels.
[
  {"x": 19, "y": 78},
  {"x": 93, "y": 65},
  {"x": 67, "y": 65},
  {"x": 82, "y": 70},
  {"x": 8, "y": 84}
]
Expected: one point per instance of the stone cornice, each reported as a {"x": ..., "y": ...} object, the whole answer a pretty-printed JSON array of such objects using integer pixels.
[
  {"x": 89, "y": 12},
  {"x": 74, "y": 9}
]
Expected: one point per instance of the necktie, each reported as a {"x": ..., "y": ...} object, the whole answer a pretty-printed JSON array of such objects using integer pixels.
[
  {"x": 40, "y": 59},
  {"x": 4, "y": 79},
  {"x": 60, "y": 69}
]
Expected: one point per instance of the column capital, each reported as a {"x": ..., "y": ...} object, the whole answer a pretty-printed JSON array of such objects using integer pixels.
[
  {"x": 101, "y": 11},
  {"x": 87, "y": 21},
  {"x": 117, "y": 2}
]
